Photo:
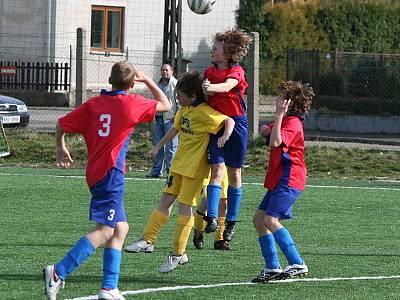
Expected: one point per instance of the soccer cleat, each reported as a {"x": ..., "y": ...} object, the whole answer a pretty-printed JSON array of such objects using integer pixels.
[
  {"x": 172, "y": 262},
  {"x": 113, "y": 294},
  {"x": 212, "y": 224},
  {"x": 221, "y": 245},
  {"x": 140, "y": 246},
  {"x": 295, "y": 270},
  {"x": 267, "y": 275},
  {"x": 229, "y": 230},
  {"x": 52, "y": 282},
  {"x": 198, "y": 239}
]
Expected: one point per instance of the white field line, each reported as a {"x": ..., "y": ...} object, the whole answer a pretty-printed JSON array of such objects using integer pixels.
[
  {"x": 244, "y": 183},
  {"x": 202, "y": 286}
]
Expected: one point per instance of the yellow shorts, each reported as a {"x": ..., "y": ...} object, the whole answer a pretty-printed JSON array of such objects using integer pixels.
[
  {"x": 187, "y": 189},
  {"x": 224, "y": 185}
]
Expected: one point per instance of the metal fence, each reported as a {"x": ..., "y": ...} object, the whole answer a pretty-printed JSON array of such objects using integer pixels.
[{"x": 349, "y": 83}]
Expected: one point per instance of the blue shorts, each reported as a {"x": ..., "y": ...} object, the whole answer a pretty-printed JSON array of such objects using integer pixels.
[
  {"x": 107, "y": 205},
  {"x": 233, "y": 153},
  {"x": 279, "y": 202}
]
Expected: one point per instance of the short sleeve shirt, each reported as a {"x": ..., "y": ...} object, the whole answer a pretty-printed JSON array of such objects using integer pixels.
[
  {"x": 227, "y": 103},
  {"x": 286, "y": 162},
  {"x": 106, "y": 122},
  {"x": 195, "y": 124}
]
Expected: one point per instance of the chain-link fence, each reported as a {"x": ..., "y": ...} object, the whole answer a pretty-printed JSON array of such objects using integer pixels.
[{"x": 349, "y": 83}]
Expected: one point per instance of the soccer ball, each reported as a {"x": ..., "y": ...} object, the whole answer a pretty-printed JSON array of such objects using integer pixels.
[{"x": 201, "y": 7}]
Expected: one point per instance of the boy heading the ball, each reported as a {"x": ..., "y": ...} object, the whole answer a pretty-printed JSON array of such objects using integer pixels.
[{"x": 225, "y": 86}]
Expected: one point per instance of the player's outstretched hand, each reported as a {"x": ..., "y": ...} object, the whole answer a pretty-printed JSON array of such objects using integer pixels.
[
  {"x": 63, "y": 158},
  {"x": 222, "y": 140}
]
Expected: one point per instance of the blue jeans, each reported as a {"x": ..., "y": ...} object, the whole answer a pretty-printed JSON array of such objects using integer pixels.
[{"x": 160, "y": 128}]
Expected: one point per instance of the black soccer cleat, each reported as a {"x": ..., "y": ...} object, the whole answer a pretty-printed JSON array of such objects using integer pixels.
[
  {"x": 222, "y": 245},
  {"x": 229, "y": 230},
  {"x": 198, "y": 239},
  {"x": 212, "y": 224}
]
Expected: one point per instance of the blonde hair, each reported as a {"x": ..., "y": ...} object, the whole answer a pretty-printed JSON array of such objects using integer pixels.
[
  {"x": 122, "y": 75},
  {"x": 235, "y": 42}
]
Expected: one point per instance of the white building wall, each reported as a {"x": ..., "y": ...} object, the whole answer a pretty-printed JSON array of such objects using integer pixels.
[
  {"x": 24, "y": 30},
  {"x": 143, "y": 33}
]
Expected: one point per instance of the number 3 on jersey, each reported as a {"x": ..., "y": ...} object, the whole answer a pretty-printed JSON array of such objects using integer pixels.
[{"x": 106, "y": 120}]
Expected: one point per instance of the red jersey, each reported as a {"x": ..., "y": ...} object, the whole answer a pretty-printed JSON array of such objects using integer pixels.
[
  {"x": 227, "y": 103},
  {"x": 106, "y": 122},
  {"x": 286, "y": 162}
]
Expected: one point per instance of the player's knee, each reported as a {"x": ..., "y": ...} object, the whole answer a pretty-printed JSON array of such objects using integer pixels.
[
  {"x": 272, "y": 223},
  {"x": 122, "y": 230},
  {"x": 107, "y": 233},
  {"x": 258, "y": 220}
]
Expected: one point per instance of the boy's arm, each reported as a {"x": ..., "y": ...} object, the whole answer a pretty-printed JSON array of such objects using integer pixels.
[
  {"x": 165, "y": 139},
  {"x": 63, "y": 158},
  {"x": 282, "y": 106},
  {"x": 229, "y": 124},
  {"x": 163, "y": 103},
  {"x": 224, "y": 87}
]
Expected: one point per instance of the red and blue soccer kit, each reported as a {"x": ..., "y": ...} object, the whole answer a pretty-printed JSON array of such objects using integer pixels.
[
  {"x": 231, "y": 104},
  {"x": 286, "y": 176},
  {"x": 107, "y": 122},
  {"x": 233, "y": 153}
]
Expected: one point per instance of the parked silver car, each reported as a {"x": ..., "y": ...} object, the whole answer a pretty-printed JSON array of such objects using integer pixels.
[{"x": 13, "y": 112}]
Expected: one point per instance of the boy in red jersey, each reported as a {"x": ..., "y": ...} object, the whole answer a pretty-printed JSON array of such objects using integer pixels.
[
  {"x": 225, "y": 86},
  {"x": 106, "y": 122},
  {"x": 285, "y": 179}
]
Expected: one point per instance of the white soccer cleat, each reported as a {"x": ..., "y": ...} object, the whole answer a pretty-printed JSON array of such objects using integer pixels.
[
  {"x": 140, "y": 246},
  {"x": 52, "y": 282},
  {"x": 268, "y": 275},
  {"x": 295, "y": 270},
  {"x": 113, "y": 294},
  {"x": 172, "y": 262}
]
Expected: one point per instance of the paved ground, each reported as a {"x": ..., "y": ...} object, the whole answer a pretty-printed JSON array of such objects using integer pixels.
[{"x": 45, "y": 119}]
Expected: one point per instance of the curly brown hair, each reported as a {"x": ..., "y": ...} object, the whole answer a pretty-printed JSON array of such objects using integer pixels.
[
  {"x": 236, "y": 43},
  {"x": 301, "y": 96},
  {"x": 122, "y": 75},
  {"x": 190, "y": 84}
]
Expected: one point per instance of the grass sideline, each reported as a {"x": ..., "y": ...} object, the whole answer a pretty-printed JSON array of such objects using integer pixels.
[
  {"x": 343, "y": 228},
  {"x": 36, "y": 149}
]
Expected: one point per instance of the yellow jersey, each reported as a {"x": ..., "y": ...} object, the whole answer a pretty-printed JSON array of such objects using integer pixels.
[{"x": 195, "y": 124}]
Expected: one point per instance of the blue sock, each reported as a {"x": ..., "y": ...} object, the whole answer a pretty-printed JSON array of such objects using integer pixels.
[
  {"x": 288, "y": 247},
  {"x": 213, "y": 195},
  {"x": 268, "y": 250},
  {"x": 111, "y": 267},
  {"x": 234, "y": 198},
  {"x": 75, "y": 257}
]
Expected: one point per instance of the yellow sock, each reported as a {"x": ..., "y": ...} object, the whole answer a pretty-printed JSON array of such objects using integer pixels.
[
  {"x": 219, "y": 234},
  {"x": 183, "y": 228},
  {"x": 199, "y": 223},
  {"x": 154, "y": 225}
]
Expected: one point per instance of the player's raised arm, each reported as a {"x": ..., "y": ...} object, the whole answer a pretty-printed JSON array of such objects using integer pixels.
[
  {"x": 224, "y": 87},
  {"x": 163, "y": 103},
  {"x": 63, "y": 158}
]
